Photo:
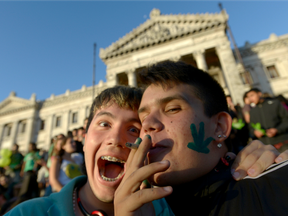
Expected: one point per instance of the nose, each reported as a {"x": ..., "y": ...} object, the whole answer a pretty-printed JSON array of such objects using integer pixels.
[
  {"x": 117, "y": 137},
  {"x": 152, "y": 123}
]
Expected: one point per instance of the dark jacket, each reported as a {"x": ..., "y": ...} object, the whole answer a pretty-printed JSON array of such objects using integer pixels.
[
  {"x": 217, "y": 193},
  {"x": 271, "y": 114}
]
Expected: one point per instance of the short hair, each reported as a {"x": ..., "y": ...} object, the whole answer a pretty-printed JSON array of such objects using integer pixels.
[
  {"x": 124, "y": 96},
  {"x": 207, "y": 89},
  {"x": 254, "y": 90}
]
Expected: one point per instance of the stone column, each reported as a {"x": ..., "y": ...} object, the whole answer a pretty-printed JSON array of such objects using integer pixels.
[
  {"x": 175, "y": 58},
  {"x": 230, "y": 71},
  {"x": 14, "y": 130},
  {"x": 200, "y": 59},
  {"x": 132, "y": 79},
  {"x": 112, "y": 80},
  {"x": 66, "y": 120},
  {"x": 49, "y": 128},
  {"x": 28, "y": 138},
  {"x": 1, "y": 134}
]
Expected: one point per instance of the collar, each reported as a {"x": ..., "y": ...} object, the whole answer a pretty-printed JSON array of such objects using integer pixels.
[
  {"x": 63, "y": 200},
  {"x": 202, "y": 191}
]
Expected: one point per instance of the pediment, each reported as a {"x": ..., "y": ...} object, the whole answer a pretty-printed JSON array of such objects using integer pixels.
[
  {"x": 161, "y": 28},
  {"x": 12, "y": 104}
]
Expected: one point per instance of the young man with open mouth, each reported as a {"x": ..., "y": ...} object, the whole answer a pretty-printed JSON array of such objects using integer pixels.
[{"x": 113, "y": 122}]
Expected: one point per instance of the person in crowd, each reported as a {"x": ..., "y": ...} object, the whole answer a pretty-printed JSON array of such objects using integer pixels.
[
  {"x": 15, "y": 164},
  {"x": 185, "y": 129},
  {"x": 65, "y": 165},
  {"x": 85, "y": 124},
  {"x": 283, "y": 100},
  {"x": 113, "y": 121},
  {"x": 268, "y": 120},
  {"x": 43, "y": 172},
  {"x": 29, "y": 164},
  {"x": 81, "y": 135},
  {"x": 246, "y": 109},
  {"x": 75, "y": 134},
  {"x": 240, "y": 132}
]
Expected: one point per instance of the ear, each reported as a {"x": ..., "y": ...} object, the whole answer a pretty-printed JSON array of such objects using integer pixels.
[{"x": 223, "y": 126}]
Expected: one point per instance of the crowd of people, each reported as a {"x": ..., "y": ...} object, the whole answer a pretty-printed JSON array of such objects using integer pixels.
[
  {"x": 186, "y": 126},
  {"x": 262, "y": 117},
  {"x": 40, "y": 172}
]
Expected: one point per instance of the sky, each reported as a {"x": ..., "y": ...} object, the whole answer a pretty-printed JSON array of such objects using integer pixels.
[{"x": 46, "y": 47}]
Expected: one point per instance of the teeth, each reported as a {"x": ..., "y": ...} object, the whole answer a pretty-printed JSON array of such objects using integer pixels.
[
  {"x": 113, "y": 159},
  {"x": 111, "y": 179}
]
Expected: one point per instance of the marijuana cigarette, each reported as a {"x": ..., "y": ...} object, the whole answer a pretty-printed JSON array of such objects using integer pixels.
[{"x": 132, "y": 145}]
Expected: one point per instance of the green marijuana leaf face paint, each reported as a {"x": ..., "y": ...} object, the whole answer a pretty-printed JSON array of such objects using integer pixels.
[{"x": 199, "y": 144}]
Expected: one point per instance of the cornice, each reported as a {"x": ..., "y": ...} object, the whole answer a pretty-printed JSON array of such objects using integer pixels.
[
  {"x": 72, "y": 96},
  {"x": 52, "y": 102},
  {"x": 161, "y": 28},
  {"x": 261, "y": 47},
  {"x": 8, "y": 112}
]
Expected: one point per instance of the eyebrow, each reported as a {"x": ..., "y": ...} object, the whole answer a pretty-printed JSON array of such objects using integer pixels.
[
  {"x": 105, "y": 113},
  {"x": 101, "y": 113},
  {"x": 164, "y": 101}
]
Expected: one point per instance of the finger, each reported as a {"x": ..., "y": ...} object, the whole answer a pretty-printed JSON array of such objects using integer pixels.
[
  {"x": 264, "y": 161},
  {"x": 141, "y": 197},
  {"x": 133, "y": 151},
  {"x": 141, "y": 152},
  {"x": 282, "y": 157},
  {"x": 254, "y": 145},
  {"x": 133, "y": 182},
  {"x": 256, "y": 162}
]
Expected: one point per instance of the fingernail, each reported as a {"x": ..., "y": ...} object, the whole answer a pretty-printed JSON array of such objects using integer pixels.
[
  {"x": 138, "y": 140},
  {"x": 232, "y": 171},
  {"x": 168, "y": 189},
  {"x": 279, "y": 159},
  {"x": 146, "y": 183},
  {"x": 236, "y": 175},
  {"x": 149, "y": 137},
  {"x": 164, "y": 162},
  {"x": 251, "y": 171}
]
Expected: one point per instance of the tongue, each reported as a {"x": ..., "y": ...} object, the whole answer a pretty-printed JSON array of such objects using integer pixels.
[{"x": 112, "y": 170}]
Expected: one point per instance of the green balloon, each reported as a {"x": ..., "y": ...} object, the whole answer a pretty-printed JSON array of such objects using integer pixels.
[
  {"x": 4, "y": 161},
  {"x": 6, "y": 153}
]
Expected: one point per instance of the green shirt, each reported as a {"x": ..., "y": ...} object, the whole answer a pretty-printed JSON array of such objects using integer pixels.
[
  {"x": 16, "y": 159},
  {"x": 30, "y": 160},
  {"x": 61, "y": 203}
]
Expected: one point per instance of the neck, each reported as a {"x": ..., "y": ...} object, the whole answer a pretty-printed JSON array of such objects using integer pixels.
[{"x": 91, "y": 203}]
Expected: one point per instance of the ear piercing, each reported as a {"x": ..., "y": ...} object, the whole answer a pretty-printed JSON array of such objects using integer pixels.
[
  {"x": 220, "y": 136},
  {"x": 219, "y": 145}
]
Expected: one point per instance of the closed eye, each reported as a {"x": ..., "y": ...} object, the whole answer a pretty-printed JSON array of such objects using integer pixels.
[{"x": 173, "y": 110}]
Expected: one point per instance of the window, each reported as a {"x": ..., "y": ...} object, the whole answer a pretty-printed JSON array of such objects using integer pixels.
[
  {"x": 87, "y": 111},
  {"x": 272, "y": 71},
  {"x": 7, "y": 130},
  {"x": 22, "y": 127},
  {"x": 74, "y": 117},
  {"x": 42, "y": 124},
  {"x": 58, "y": 121},
  {"x": 246, "y": 77}
]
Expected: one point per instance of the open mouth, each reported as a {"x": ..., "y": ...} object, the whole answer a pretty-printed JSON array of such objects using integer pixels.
[{"x": 111, "y": 168}]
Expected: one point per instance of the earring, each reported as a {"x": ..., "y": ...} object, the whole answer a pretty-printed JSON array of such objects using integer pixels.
[
  {"x": 219, "y": 145},
  {"x": 220, "y": 136}
]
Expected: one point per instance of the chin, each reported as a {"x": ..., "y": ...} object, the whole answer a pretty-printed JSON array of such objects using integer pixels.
[{"x": 106, "y": 197}]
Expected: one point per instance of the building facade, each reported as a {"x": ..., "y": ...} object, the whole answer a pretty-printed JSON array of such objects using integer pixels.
[{"x": 197, "y": 39}]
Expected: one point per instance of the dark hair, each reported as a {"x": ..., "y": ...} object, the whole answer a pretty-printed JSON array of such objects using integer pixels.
[
  {"x": 205, "y": 87},
  {"x": 80, "y": 128},
  {"x": 124, "y": 96},
  {"x": 254, "y": 90}
]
